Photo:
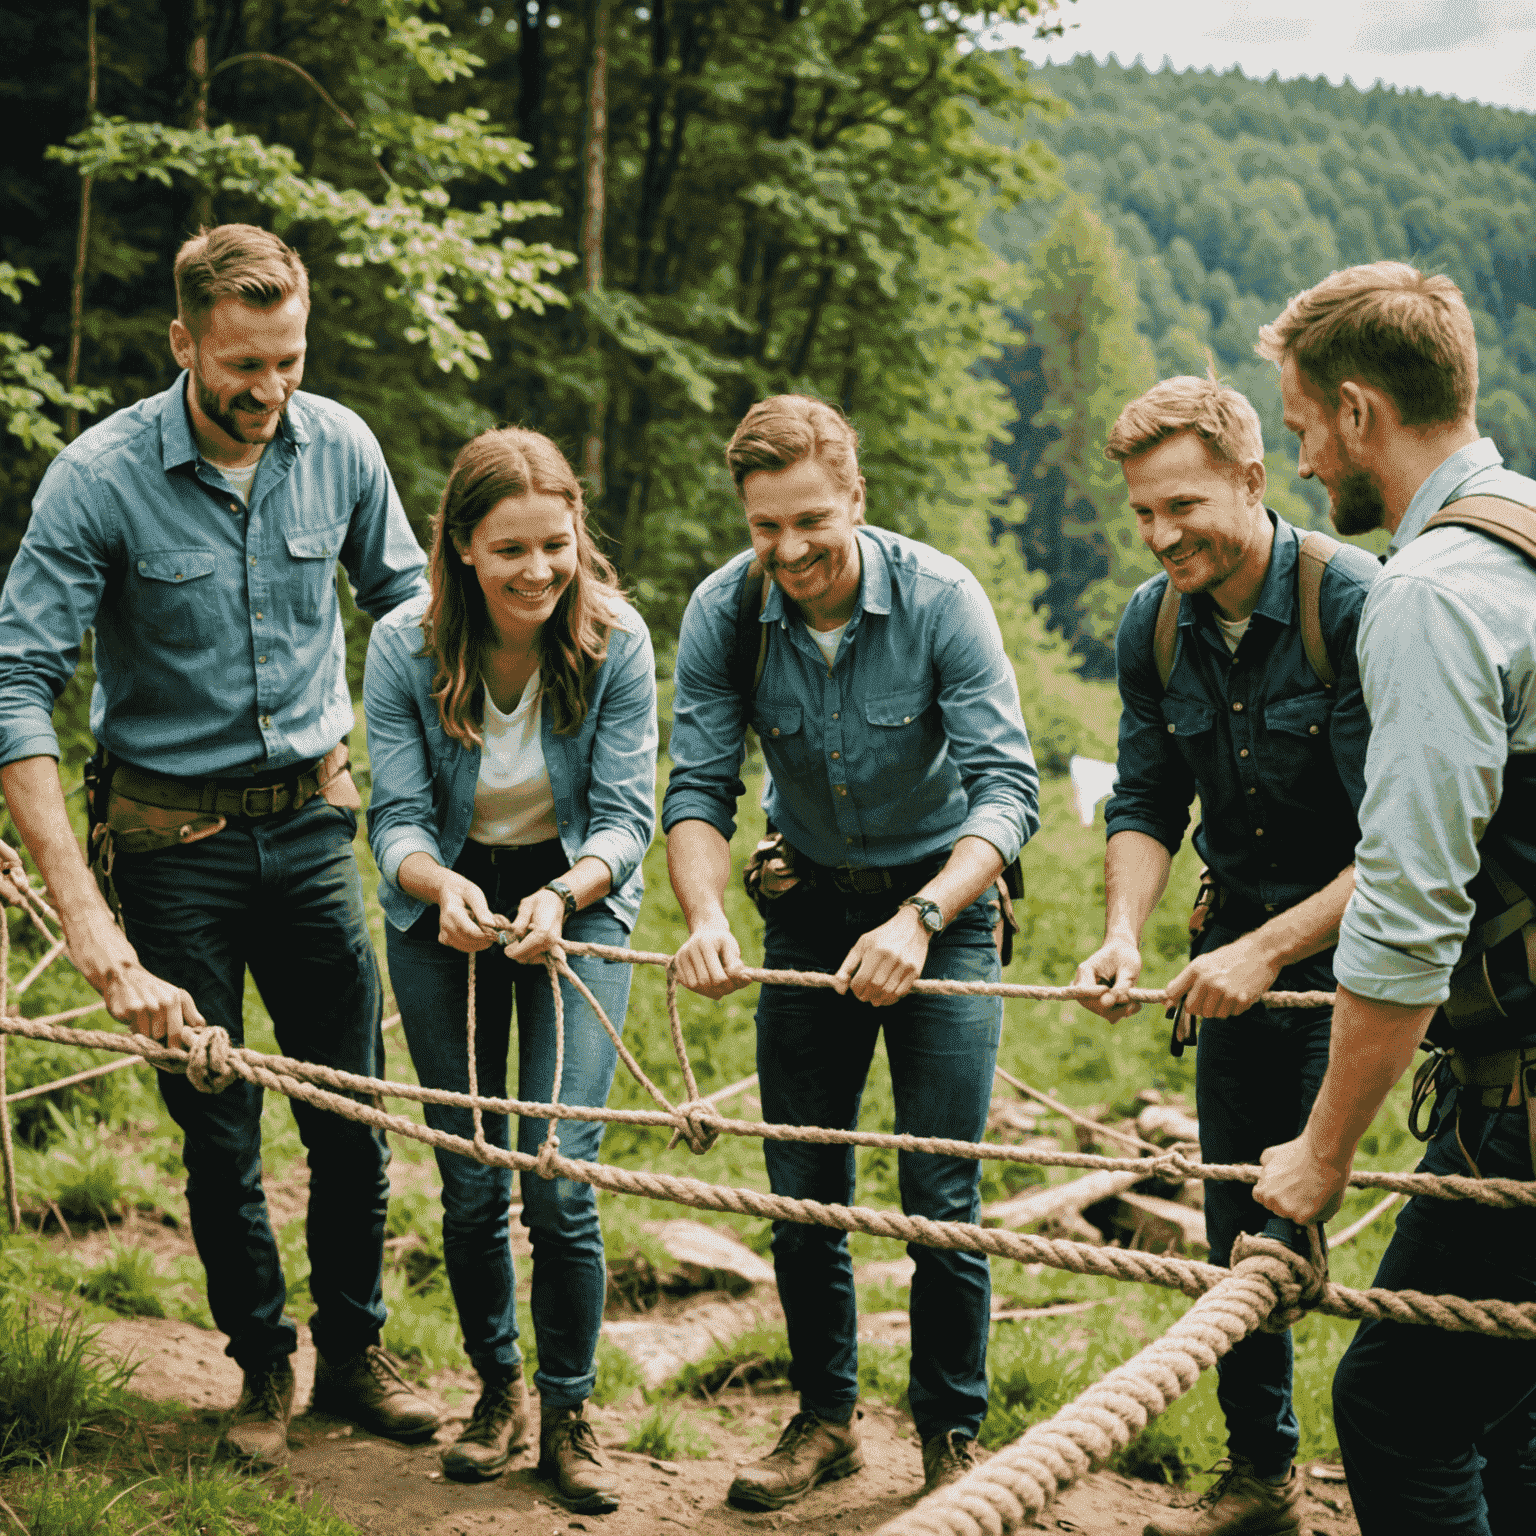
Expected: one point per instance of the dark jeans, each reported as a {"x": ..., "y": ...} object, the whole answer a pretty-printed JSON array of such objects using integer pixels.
[
  {"x": 1256, "y": 1076},
  {"x": 813, "y": 1055},
  {"x": 570, "y": 1275},
  {"x": 279, "y": 896},
  {"x": 1438, "y": 1429}
]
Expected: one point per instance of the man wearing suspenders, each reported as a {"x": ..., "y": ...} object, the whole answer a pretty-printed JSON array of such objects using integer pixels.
[
  {"x": 1378, "y": 368},
  {"x": 1238, "y": 684}
]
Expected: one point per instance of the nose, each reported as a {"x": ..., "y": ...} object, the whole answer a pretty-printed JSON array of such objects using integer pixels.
[
  {"x": 269, "y": 389},
  {"x": 1159, "y": 536},
  {"x": 791, "y": 548},
  {"x": 1303, "y": 468},
  {"x": 536, "y": 569}
]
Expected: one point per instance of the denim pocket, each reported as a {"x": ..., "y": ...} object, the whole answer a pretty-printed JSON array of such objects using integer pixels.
[{"x": 174, "y": 600}]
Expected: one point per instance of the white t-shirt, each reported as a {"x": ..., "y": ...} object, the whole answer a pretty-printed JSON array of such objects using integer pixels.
[
  {"x": 1232, "y": 630},
  {"x": 241, "y": 477},
  {"x": 514, "y": 802},
  {"x": 828, "y": 640}
]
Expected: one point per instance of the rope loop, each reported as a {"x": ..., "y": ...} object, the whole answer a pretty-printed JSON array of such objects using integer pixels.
[
  {"x": 691, "y": 1128},
  {"x": 1299, "y": 1284},
  {"x": 544, "y": 1164},
  {"x": 210, "y": 1059}
]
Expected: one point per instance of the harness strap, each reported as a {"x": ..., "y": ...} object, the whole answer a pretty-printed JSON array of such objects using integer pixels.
[
  {"x": 1511, "y": 522},
  {"x": 1317, "y": 549}
]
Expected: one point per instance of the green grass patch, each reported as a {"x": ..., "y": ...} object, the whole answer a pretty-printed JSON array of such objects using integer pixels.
[
  {"x": 758, "y": 1357},
  {"x": 669, "y": 1435}
]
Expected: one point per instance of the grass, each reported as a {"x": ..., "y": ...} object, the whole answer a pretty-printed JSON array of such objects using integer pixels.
[{"x": 670, "y": 1436}]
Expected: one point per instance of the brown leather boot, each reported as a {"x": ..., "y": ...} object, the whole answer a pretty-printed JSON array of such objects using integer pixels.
[
  {"x": 368, "y": 1389},
  {"x": 497, "y": 1428},
  {"x": 258, "y": 1432},
  {"x": 1238, "y": 1503},
  {"x": 811, "y": 1450},
  {"x": 947, "y": 1458},
  {"x": 569, "y": 1456}
]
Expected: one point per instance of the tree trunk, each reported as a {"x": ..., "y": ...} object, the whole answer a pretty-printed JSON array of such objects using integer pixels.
[
  {"x": 77, "y": 289},
  {"x": 592, "y": 231},
  {"x": 197, "y": 67}
]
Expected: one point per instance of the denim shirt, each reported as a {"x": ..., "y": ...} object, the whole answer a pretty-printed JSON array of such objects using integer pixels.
[
  {"x": 219, "y": 645},
  {"x": 1277, "y": 760},
  {"x": 1448, "y": 662},
  {"x": 603, "y": 774},
  {"x": 911, "y": 740}
]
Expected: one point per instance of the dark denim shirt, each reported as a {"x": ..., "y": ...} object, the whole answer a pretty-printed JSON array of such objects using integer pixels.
[{"x": 1277, "y": 760}]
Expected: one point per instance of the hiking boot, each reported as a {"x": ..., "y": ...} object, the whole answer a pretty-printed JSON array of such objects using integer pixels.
[
  {"x": 258, "y": 1431},
  {"x": 811, "y": 1450},
  {"x": 368, "y": 1389},
  {"x": 497, "y": 1428},
  {"x": 569, "y": 1456},
  {"x": 1238, "y": 1503},
  {"x": 946, "y": 1459}
]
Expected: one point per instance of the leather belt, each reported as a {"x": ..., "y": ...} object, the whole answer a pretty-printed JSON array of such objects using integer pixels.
[
  {"x": 229, "y": 797},
  {"x": 872, "y": 881}
]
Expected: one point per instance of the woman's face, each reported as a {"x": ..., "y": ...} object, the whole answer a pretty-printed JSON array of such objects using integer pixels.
[{"x": 523, "y": 551}]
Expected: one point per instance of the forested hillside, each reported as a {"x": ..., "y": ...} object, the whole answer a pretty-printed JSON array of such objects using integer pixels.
[{"x": 1196, "y": 204}]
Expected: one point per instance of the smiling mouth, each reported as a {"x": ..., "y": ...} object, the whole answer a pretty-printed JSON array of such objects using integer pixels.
[{"x": 532, "y": 597}]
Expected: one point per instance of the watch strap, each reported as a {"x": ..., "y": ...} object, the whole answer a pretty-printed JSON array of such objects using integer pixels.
[
  {"x": 924, "y": 907},
  {"x": 564, "y": 892}
]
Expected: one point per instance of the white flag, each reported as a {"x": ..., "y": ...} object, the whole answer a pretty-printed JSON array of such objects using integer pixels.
[{"x": 1092, "y": 781}]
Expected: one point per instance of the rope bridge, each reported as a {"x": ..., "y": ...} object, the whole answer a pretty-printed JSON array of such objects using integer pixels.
[{"x": 1268, "y": 1286}]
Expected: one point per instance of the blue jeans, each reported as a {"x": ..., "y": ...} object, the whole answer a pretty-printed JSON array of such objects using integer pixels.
[
  {"x": 1256, "y": 1076},
  {"x": 281, "y": 896},
  {"x": 813, "y": 1055},
  {"x": 431, "y": 982},
  {"x": 1438, "y": 1429}
]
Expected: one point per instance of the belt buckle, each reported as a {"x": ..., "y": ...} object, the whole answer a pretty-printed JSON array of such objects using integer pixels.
[
  {"x": 866, "y": 882},
  {"x": 270, "y": 790}
]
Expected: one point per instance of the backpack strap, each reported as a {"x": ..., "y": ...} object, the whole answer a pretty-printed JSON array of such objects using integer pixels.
[
  {"x": 1511, "y": 522},
  {"x": 749, "y": 649},
  {"x": 1165, "y": 635},
  {"x": 1317, "y": 549}
]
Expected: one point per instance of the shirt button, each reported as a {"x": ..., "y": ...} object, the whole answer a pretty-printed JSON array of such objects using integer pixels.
[
  {"x": 774, "y": 731},
  {"x": 143, "y": 565},
  {"x": 835, "y": 715},
  {"x": 836, "y": 755},
  {"x": 258, "y": 615},
  {"x": 849, "y": 841},
  {"x": 906, "y": 719},
  {"x": 1242, "y": 752},
  {"x": 1258, "y": 831},
  {"x": 1237, "y": 708},
  {"x": 253, "y": 559},
  {"x": 1253, "y": 791},
  {"x": 266, "y": 720},
  {"x": 1172, "y": 729},
  {"x": 1269, "y": 906},
  {"x": 262, "y": 660},
  {"x": 1312, "y": 730},
  {"x": 842, "y": 789},
  {"x": 234, "y": 506}
]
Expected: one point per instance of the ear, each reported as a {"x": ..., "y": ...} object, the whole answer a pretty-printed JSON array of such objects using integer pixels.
[
  {"x": 858, "y": 501},
  {"x": 466, "y": 554},
  {"x": 183, "y": 347},
  {"x": 1357, "y": 411},
  {"x": 1255, "y": 481}
]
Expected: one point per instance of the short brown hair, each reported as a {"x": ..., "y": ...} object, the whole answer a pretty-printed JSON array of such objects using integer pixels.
[
  {"x": 1221, "y": 417},
  {"x": 236, "y": 261},
  {"x": 1409, "y": 335},
  {"x": 783, "y": 429},
  {"x": 510, "y": 462}
]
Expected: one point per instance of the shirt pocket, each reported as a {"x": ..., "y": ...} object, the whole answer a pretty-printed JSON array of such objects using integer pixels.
[
  {"x": 314, "y": 552},
  {"x": 900, "y": 754},
  {"x": 1191, "y": 726},
  {"x": 897, "y": 711},
  {"x": 174, "y": 600},
  {"x": 1297, "y": 731},
  {"x": 781, "y": 731}
]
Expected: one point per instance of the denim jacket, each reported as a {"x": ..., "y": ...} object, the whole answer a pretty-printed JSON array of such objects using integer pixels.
[{"x": 603, "y": 774}]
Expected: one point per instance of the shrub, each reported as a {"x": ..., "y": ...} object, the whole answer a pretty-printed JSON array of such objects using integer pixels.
[{"x": 78, "y": 1171}]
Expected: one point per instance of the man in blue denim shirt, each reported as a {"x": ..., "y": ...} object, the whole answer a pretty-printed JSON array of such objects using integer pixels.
[
  {"x": 198, "y": 532},
  {"x": 1378, "y": 372},
  {"x": 1277, "y": 760},
  {"x": 903, "y": 783}
]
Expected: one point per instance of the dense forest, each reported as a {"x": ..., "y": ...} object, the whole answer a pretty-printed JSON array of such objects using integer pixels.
[
  {"x": 1196, "y": 203},
  {"x": 621, "y": 224}
]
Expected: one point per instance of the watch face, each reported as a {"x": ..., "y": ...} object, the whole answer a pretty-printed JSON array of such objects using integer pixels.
[{"x": 933, "y": 919}]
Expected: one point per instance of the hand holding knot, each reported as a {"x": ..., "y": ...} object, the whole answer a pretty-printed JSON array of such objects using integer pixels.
[{"x": 210, "y": 1059}]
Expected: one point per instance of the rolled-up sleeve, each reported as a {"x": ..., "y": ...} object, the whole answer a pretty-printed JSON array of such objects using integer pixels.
[
  {"x": 708, "y": 743},
  {"x": 1433, "y": 683},
  {"x": 380, "y": 553},
  {"x": 400, "y": 807},
  {"x": 978, "y": 699},
  {"x": 621, "y": 798},
  {"x": 1155, "y": 786},
  {"x": 50, "y": 600}
]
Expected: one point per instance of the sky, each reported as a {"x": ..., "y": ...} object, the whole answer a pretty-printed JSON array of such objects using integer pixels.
[{"x": 1479, "y": 50}]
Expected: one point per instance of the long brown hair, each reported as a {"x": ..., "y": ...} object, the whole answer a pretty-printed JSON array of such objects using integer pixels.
[{"x": 510, "y": 462}]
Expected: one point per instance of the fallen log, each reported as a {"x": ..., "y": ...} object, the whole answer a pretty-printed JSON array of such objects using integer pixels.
[
  {"x": 1161, "y": 1222},
  {"x": 1166, "y": 1124},
  {"x": 1059, "y": 1201}
]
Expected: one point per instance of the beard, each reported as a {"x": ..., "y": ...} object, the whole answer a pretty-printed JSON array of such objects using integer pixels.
[
  {"x": 223, "y": 415},
  {"x": 1359, "y": 506}
]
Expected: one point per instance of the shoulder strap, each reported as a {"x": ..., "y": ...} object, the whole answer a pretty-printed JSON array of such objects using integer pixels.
[
  {"x": 1511, "y": 522},
  {"x": 749, "y": 650},
  {"x": 1317, "y": 549},
  {"x": 1165, "y": 635}
]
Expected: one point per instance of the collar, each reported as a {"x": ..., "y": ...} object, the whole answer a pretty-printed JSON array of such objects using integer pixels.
[
  {"x": 874, "y": 584},
  {"x": 1441, "y": 485},
  {"x": 178, "y": 444},
  {"x": 1277, "y": 597}
]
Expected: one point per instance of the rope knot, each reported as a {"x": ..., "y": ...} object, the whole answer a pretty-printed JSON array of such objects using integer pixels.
[
  {"x": 544, "y": 1166},
  {"x": 691, "y": 1128},
  {"x": 1298, "y": 1283},
  {"x": 210, "y": 1059}
]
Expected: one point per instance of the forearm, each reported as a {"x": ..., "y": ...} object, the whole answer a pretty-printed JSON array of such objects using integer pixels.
[
  {"x": 35, "y": 800},
  {"x": 699, "y": 864},
  {"x": 1310, "y": 926},
  {"x": 1135, "y": 876},
  {"x": 1370, "y": 1047},
  {"x": 973, "y": 867}
]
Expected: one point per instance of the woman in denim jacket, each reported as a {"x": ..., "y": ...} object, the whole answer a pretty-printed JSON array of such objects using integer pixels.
[{"x": 512, "y": 734}]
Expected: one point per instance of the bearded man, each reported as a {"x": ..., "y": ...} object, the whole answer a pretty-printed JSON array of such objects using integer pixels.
[{"x": 198, "y": 532}]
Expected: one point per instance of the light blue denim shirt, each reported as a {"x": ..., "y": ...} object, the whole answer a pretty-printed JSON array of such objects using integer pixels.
[
  {"x": 219, "y": 645},
  {"x": 911, "y": 740},
  {"x": 1448, "y": 668},
  {"x": 603, "y": 774}
]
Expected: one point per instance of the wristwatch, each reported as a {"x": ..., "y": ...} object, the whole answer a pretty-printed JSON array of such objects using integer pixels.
[
  {"x": 928, "y": 911},
  {"x": 564, "y": 892}
]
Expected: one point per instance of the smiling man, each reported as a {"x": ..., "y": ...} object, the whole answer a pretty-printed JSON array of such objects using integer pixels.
[
  {"x": 1224, "y": 697},
  {"x": 198, "y": 532},
  {"x": 903, "y": 783}
]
